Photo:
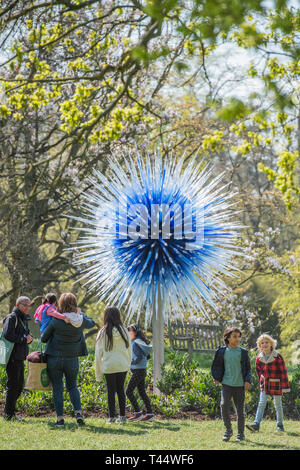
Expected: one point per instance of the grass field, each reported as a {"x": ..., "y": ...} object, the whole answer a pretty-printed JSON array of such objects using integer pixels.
[{"x": 39, "y": 433}]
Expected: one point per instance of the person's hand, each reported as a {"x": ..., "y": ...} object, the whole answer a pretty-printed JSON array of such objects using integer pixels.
[
  {"x": 216, "y": 382},
  {"x": 29, "y": 339},
  {"x": 67, "y": 320},
  {"x": 247, "y": 385}
]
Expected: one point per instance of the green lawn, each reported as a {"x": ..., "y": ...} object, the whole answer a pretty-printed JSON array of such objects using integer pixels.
[{"x": 38, "y": 433}]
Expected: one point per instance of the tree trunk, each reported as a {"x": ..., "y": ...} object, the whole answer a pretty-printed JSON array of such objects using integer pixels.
[{"x": 158, "y": 343}]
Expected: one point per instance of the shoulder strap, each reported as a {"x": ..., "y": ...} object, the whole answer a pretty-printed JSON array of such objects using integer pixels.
[
  {"x": 45, "y": 308},
  {"x": 22, "y": 324}
]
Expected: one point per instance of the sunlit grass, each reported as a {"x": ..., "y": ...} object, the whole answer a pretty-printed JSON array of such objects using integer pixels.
[{"x": 39, "y": 433}]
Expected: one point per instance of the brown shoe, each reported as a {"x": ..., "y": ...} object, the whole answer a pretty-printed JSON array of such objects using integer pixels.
[
  {"x": 147, "y": 417},
  {"x": 136, "y": 416}
]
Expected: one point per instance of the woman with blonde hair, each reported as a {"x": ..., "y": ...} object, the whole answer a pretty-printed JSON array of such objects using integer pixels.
[
  {"x": 273, "y": 380},
  {"x": 65, "y": 343}
]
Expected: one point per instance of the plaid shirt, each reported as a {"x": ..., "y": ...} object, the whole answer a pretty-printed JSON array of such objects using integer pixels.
[{"x": 273, "y": 377}]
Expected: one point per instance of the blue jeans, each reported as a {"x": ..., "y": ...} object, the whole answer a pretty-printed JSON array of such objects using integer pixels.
[
  {"x": 58, "y": 367},
  {"x": 263, "y": 397}
]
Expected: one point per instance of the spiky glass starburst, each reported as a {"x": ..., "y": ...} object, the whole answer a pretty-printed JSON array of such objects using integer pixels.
[{"x": 157, "y": 232}]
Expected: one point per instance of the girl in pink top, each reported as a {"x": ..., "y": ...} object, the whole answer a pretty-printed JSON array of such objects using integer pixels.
[{"x": 47, "y": 310}]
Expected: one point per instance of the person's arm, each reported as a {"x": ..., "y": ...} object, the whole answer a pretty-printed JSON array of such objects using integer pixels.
[
  {"x": 138, "y": 353},
  {"x": 52, "y": 312},
  {"x": 212, "y": 372},
  {"x": 87, "y": 322},
  {"x": 47, "y": 332},
  {"x": 258, "y": 367},
  {"x": 9, "y": 332},
  {"x": 98, "y": 358},
  {"x": 248, "y": 378},
  {"x": 129, "y": 349},
  {"x": 285, "y": 385}
]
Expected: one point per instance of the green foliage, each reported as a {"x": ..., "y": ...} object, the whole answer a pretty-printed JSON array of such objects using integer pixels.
[
  {"x": 185, "y": 387},
  {"x": 235, "y": 110},
  {"x": 176, "y": 375},
  {"x": 166, "y": 405},
  {"x": 287, "y": 305},
  {"x": 82, "y": 80}
]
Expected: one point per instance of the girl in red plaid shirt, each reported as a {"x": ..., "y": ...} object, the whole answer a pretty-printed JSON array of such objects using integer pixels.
[{"x": 273, "y": 380}]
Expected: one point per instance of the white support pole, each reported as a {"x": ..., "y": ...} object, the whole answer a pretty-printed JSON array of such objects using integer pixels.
[{"x": 158, "y": 343}]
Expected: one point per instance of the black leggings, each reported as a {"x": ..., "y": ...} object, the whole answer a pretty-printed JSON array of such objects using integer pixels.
[
  {"x": 115, "y": 385},
  {"x": 138, "y": 380}
]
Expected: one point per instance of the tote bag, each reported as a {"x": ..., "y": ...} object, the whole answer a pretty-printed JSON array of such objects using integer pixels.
[
  {"x": 6, "y": 348},
  {"x": 37, "y": 374},
  {"x": 37, "y": 377}
]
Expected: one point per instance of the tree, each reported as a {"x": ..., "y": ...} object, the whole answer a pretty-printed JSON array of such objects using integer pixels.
[
  {"x": 80, "y": 77},
  {"x": 46, "y": 163}
]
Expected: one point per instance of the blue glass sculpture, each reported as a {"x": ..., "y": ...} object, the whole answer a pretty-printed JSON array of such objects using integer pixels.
[{"x": 157, "y": 231}]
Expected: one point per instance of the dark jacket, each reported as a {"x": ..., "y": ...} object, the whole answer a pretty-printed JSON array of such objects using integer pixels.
[
  {"x": 218, "y": 366},
  {"x": 14, "y": 331},
  {"x": 65, "y": 340},
  {"x": 140, "y": 354}
]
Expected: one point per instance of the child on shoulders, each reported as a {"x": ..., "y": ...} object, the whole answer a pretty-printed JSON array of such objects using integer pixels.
[{"x": 48, "y": 309}]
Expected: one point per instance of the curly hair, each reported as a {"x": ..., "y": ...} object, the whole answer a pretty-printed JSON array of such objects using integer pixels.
[{"x": 268, "y": 338}]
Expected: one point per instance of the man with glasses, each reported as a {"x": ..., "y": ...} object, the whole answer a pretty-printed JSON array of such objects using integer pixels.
[{"x": 15, "y": 329}]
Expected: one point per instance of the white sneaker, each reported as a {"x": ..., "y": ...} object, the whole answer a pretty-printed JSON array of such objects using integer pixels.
[
  {"x": 17, "y": 418},
  {"x": 121, "y": 420},
  {"x": 111, "y": 420}
]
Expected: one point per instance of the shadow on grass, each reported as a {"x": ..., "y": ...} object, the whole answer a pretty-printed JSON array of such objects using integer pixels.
[
  {"x": 157, "y": 425},
  {"x": 133, "y": 429},
  {"x": 274, "y": 446},
  {"x": 128, "y": 428},
  {"x": 112, "y": 429},
  {"x": 104, "y": 429}
]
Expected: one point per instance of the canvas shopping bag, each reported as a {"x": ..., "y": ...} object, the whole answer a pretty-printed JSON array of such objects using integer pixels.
[{"x": 37, "y": 377}]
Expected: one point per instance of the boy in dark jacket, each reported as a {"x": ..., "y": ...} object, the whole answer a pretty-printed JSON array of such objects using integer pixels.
[
  {"x": 231, "y": 368},
  {"x": 15, "y": 329}
]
